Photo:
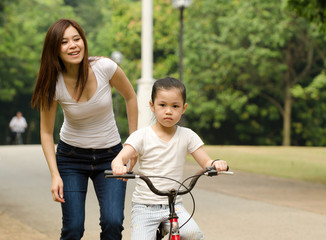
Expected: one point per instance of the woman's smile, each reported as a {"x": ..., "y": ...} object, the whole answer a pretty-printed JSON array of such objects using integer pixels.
[{"x": 72, "y": 46}]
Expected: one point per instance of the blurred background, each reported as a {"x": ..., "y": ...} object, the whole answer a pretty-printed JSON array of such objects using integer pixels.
[{"x": 254, "y": 69}]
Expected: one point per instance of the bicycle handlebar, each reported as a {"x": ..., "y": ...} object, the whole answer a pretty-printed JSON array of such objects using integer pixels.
[{"x": 210, "y": 171}]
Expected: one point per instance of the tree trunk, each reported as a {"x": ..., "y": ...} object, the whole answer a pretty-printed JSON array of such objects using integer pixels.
[{"x": 287, "y": 113}]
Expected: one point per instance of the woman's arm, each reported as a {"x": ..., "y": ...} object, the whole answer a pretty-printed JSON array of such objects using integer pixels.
[
  {"x": 201, "y": 156},
  {"x": 47, "y": 126},
  {"x": 124, "y": 87}
]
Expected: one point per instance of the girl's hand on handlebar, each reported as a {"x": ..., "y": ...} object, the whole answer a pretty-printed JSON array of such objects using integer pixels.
[
  {"x": 125, "y": 156},
  {"x": 57, "y": 189},
  {"x": 220, "y": 165},
  {"x": 118, "y": 168}
]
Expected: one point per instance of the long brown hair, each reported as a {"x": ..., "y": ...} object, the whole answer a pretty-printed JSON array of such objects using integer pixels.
[{"x": 52, "y": 65}]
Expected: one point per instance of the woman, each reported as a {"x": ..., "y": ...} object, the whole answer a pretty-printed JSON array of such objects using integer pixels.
[{"x": 89, "y": 137}]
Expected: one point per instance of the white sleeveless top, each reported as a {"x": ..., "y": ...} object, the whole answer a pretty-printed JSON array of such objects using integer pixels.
[{"x": 90, "y": 124}]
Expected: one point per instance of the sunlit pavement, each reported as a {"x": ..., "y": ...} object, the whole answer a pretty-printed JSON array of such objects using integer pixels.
[{"x": 239, "y": 207}]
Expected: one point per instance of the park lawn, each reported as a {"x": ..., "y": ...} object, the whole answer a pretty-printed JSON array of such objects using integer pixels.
[{"x": 302, "y": 163}]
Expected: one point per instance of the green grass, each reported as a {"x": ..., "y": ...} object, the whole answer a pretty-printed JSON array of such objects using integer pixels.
[{"x": 302, "y": 163}]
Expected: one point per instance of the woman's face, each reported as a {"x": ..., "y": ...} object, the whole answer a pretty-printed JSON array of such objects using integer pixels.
[{"x": 72, "y": 47}]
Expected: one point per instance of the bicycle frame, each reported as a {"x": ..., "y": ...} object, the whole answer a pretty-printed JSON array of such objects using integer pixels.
[{"x": 171, "y": 194}]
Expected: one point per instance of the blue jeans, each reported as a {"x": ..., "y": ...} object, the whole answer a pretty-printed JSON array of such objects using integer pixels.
[{"x": 76, "y": 166}]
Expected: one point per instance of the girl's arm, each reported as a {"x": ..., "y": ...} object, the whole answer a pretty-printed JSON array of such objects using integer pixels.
[
  {"x": 201, "y": 156},
  {"x": 119, "y": 163},
  {"x": 47, "y": 126},
  {"x": 124, "y": 87}
]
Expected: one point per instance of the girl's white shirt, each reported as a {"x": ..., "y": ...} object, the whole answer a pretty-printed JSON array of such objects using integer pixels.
[
  {"x": 161, "y": 158},
  {"x": 90, "y": 124}
]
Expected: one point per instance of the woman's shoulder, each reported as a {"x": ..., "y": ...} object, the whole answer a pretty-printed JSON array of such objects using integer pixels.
[
  {"x": 103, "y": 65},
  {"x": 100, "y": 60}
]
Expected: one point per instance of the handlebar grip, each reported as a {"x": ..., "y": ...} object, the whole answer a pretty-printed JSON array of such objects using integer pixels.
[
  {"x": 213, "y": 168},
  {"x": 211, "y": 171},
  {"x": 128, "y": 175}
]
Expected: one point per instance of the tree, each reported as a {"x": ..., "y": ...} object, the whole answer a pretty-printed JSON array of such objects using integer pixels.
[
  {"x": 22, "y": 32},
  {"x": 313, "y": 10},
  {"x": 239, "y": 56},
  {"x": 311, "y": 108},
  {"x": 248, "y": 51},
  {"x": 21, "y": 39},
  {"x": 121, "y": 31}
]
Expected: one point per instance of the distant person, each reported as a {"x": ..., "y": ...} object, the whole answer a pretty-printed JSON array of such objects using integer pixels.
[{"x": 17, "y": 126}]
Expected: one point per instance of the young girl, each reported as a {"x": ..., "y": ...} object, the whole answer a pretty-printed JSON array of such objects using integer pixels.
[
  {"x": 89, "y": 137},
  {"x": 163, "y": 148}
]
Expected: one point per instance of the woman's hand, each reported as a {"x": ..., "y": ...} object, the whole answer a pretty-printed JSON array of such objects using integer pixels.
[{"x": 57, "y": 189}]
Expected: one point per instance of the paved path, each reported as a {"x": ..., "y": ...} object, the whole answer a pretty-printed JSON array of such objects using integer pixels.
[{"x": 240, "y": 207}]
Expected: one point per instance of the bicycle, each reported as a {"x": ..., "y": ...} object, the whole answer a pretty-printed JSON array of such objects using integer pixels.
[{"x": 174, "y": 233}]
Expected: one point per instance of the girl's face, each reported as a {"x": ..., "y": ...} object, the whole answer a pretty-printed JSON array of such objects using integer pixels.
[
  {"x": 72, "y": 47},
  {"x": 168, "y": 107}
]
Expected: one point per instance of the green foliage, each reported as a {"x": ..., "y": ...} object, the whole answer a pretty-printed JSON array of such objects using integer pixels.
[
  {"x": 313, "y": 10},
  {"x": 21, "y": 38},
  {"x": 311, "y": 110},
  {"x": 22, "y": 30},
  {"x": 249, "y": 49},
  {"x": 121, "y": 31},
  {"x": 238, "y": 58}
]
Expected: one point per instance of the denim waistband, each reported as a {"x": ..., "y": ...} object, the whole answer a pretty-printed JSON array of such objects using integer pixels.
[{"x": 89, "y": 150}]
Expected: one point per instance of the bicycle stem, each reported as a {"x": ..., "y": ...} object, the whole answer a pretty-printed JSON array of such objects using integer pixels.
[
  {"x": 172, "y": 196},
  {"x": 174, "y": 225}
]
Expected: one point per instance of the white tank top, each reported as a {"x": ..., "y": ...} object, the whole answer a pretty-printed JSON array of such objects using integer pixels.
[{"x": 90, "y": 124}]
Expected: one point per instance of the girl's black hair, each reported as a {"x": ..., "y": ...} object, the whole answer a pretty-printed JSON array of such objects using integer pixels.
[{"x": 169, "y": 83}]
